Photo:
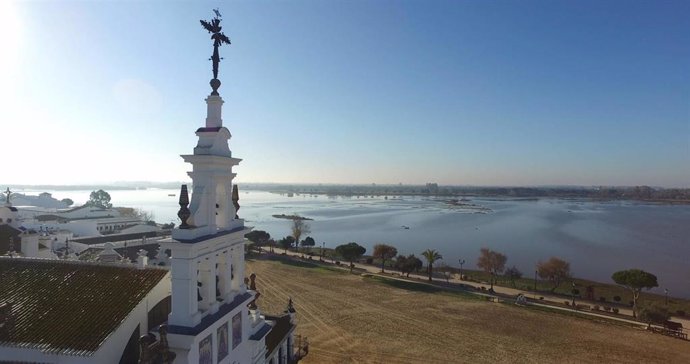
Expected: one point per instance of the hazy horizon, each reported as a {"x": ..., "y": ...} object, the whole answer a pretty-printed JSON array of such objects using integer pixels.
[
  {"x": 154, "y": 184},
  {"x": 464, "y": 93}
]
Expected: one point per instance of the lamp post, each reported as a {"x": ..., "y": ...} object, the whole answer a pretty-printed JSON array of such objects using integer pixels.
[
  {"x": 573, "y": 294},
  {"x": 461, "y": 261},
  {"x": 323, "y": 245},
  {"x": 666, "y": 292},
  {"x": 535, "y": 284}
]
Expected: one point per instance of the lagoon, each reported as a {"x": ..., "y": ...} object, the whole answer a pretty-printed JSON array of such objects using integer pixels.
[{"x": 597, "y": 238}]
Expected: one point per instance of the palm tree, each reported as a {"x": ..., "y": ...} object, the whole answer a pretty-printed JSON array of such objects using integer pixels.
[{"x": 431, "y": 256}]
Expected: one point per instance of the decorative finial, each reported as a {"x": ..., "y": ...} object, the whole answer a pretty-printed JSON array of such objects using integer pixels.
[
  {"x": 218, "y": 39},
  {"x": 235, "y": 200},
  {"x": 252, "y": 286},
  {"x": 10, "y": 248},
  {"x": 290, "y": 307},
  {"x": 184, "y": 213}
]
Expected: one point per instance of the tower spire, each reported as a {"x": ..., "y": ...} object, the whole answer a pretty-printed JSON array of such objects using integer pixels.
[{"x": 218, "y": 38}]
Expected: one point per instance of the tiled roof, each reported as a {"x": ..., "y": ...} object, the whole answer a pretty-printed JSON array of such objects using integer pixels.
[
  {"x": 68, "y": 307},
  {"x": 94, "y": 208},
  {"x": 50, "y": 217},
  {"x": 116, "y": 237},
  {"x": 132, "y": 252}
]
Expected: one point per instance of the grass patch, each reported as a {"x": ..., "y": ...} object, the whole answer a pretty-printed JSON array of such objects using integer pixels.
[
  {"x": 418, "y": 287},
  {"x": 409, "y": 286},
  {"x": 580, "y": 315},
  {"x": 294, "y": 262}
]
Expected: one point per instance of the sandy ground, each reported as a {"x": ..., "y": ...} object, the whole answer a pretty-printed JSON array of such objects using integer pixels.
[{"x": 350, "y": 319}]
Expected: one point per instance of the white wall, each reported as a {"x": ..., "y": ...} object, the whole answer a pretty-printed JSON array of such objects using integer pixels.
[
  {"x": 77, "y": 228},
  {"x": 141, "y": 228},
  {"x": 241, "y": 354}
]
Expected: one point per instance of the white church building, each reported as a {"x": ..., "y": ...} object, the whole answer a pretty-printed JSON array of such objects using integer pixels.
[{"x": 199, "y": 309}]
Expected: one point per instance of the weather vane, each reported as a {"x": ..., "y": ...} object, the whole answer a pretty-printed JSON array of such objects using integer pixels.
[{"x": 218, "y": 38}]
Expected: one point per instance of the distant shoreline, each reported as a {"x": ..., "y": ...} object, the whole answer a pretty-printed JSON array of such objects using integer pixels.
[
  {"x": 644, "y": 194},
  {"x": 466, "y": 195}
]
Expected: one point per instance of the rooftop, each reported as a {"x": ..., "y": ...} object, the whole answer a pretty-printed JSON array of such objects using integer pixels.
[
  {"x": 68, "y": 307},
  {"x": 111, "y": 238},
  {"x": 281, "y": 328},
  {"x": 132, "y": 252}
]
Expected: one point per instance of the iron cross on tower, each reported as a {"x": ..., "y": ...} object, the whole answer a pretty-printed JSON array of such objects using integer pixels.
[{"x": 218, "y": 38}]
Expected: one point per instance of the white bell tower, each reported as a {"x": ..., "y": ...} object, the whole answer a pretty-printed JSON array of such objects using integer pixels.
[{"x": 210, "y": 321}]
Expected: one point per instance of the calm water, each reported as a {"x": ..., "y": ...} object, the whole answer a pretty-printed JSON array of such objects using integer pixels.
[{"x": 597, "y": 238}]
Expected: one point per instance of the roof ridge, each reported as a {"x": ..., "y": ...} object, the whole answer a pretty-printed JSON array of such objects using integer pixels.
[{"x": 78, "y": 262}]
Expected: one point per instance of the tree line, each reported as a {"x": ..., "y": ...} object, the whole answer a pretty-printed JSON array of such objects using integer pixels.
[{"x": 554, "y": 270}]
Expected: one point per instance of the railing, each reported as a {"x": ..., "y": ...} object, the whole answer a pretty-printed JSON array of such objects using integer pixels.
[{"x": 302, "y": 349}]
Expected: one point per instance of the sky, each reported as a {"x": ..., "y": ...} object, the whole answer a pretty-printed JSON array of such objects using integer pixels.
[{"x": 453, "y": 92}]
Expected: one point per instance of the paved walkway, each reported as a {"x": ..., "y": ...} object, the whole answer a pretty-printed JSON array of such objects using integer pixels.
[{"x": 507, "y": 293}]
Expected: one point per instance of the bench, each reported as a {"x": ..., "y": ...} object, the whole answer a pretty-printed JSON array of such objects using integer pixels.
[
  {"x": 675, "y": 329},
  {"x": 670, "y": 328}
]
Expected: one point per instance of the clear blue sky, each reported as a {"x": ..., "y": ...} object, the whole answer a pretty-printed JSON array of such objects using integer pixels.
[{"x": 454, "y": 92}]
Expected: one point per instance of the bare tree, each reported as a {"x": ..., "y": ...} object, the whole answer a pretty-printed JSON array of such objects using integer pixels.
[
  {"x": 555, "y": 270},
  {"x": 491, "y": 262},
  {"x": 299, "y": 228},
  {"x": 384, "y": 252}
]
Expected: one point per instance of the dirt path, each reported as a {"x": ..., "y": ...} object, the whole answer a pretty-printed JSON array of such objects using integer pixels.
[{"x": 350, "y": 319}]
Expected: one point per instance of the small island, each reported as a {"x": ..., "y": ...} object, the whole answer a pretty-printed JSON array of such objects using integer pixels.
[{"x": 291, "y": 217}]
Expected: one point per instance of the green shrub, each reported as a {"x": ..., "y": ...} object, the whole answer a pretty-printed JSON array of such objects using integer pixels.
[{"x": 654, "y": 314}]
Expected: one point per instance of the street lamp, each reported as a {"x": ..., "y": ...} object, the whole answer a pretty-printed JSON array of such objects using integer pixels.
[
  {"x": 461, "y": 261},
  {"x": 666, "y": 291},
  {"x": 323, "y": 245},
  {"x": 535, "y": 284},
  {"x": 573, "y": 294}
]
